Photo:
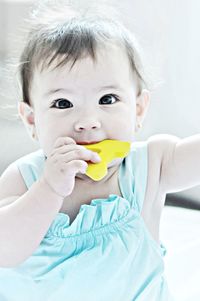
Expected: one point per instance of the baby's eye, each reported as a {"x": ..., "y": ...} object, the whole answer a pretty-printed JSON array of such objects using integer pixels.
[
  {"x": 109, "y": 99},
  {"x": 62, "y": 103}
]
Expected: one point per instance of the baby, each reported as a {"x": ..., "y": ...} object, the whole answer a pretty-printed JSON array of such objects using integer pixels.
[{"x": 63, "y": 235}]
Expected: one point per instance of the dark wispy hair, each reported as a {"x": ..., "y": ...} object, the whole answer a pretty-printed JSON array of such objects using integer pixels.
[{"x": 59, "y": 32}]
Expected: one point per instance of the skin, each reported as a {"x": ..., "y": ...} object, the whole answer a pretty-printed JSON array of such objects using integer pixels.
[{"x": 88, "y": 120}]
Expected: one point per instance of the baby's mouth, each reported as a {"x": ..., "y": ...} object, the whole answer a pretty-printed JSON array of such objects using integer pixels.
[{"x": 87, "y": 142}]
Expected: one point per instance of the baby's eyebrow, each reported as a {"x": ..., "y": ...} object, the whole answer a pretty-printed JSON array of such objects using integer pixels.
[
  {"x": 108, "y": 87},
  {"x": 52, "y": 91}
]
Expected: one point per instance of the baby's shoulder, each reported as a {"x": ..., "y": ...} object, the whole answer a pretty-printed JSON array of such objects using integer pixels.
[
  {"x": 11, "y": 181},
  {"x": 161, "y": 142},
  {"x": 160, "y": 148}
]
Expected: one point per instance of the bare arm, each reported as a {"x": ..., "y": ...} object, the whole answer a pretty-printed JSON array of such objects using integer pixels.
[
  {"x": 25, "y": 219},
  {"x": 180, "y": 162}
]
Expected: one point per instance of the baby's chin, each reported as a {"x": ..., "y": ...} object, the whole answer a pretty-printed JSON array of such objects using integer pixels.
[{"x": 115, "y": 162}]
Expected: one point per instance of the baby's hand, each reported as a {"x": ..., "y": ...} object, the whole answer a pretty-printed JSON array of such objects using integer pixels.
[{"x": 65, "y": 161}]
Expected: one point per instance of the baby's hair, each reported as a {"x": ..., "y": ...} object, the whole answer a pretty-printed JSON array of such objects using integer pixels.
[{"x": 60, "y": 35}]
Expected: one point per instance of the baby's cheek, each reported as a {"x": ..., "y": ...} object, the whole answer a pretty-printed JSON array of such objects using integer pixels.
[
  {"x": 124, "y": 131},
  {"x": 46, "y": 141},
  {"x": 115, "y": 162}
]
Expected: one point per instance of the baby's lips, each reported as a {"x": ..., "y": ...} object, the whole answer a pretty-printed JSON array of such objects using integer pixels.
[{"x": 96, "y": 158}]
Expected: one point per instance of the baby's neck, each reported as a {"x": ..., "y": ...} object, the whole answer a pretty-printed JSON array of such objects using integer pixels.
[{"x": 86, "y": 189}]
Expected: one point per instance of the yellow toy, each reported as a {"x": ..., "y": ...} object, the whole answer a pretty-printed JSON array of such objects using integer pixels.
[{"x": 108, "y": 150}]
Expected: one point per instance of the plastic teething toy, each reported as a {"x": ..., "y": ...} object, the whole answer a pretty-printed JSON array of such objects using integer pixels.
[{"x": 108, "y": 150}]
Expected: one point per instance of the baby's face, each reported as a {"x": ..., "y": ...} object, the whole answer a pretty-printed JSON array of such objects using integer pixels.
[{"x": 89, "y": 103}]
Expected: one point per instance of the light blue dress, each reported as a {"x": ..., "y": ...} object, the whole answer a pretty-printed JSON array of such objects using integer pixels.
[{"x": 106, "y": 254}]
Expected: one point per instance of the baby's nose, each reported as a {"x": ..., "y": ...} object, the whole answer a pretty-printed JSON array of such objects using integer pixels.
[{"x": 87, "y": 125}]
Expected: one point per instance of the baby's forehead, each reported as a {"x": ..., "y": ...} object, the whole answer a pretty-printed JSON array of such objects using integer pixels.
[
  {"x": 109, "y": 61},
  {"x": 111, "y": 64}
]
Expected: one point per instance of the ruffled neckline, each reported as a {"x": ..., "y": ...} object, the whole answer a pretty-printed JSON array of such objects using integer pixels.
[{"x": 92, "y": 217}]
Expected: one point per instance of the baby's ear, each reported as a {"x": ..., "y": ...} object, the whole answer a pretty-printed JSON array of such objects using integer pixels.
[
  {"x": 26, "y": 114},
  {"x": 142, "y": 105}
]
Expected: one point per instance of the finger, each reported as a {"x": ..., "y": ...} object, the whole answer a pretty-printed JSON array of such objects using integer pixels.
[
  {"x": 63, "y": 141},
  {"x": 82, "y": 154},
  {"x": 66, "y": 148},
  {"x": 76, "y": 166}
]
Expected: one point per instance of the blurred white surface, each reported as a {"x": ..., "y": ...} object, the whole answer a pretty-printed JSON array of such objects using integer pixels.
[
  {"x": 15, "y": 142},
  {"x": 180, "y": 233}
]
